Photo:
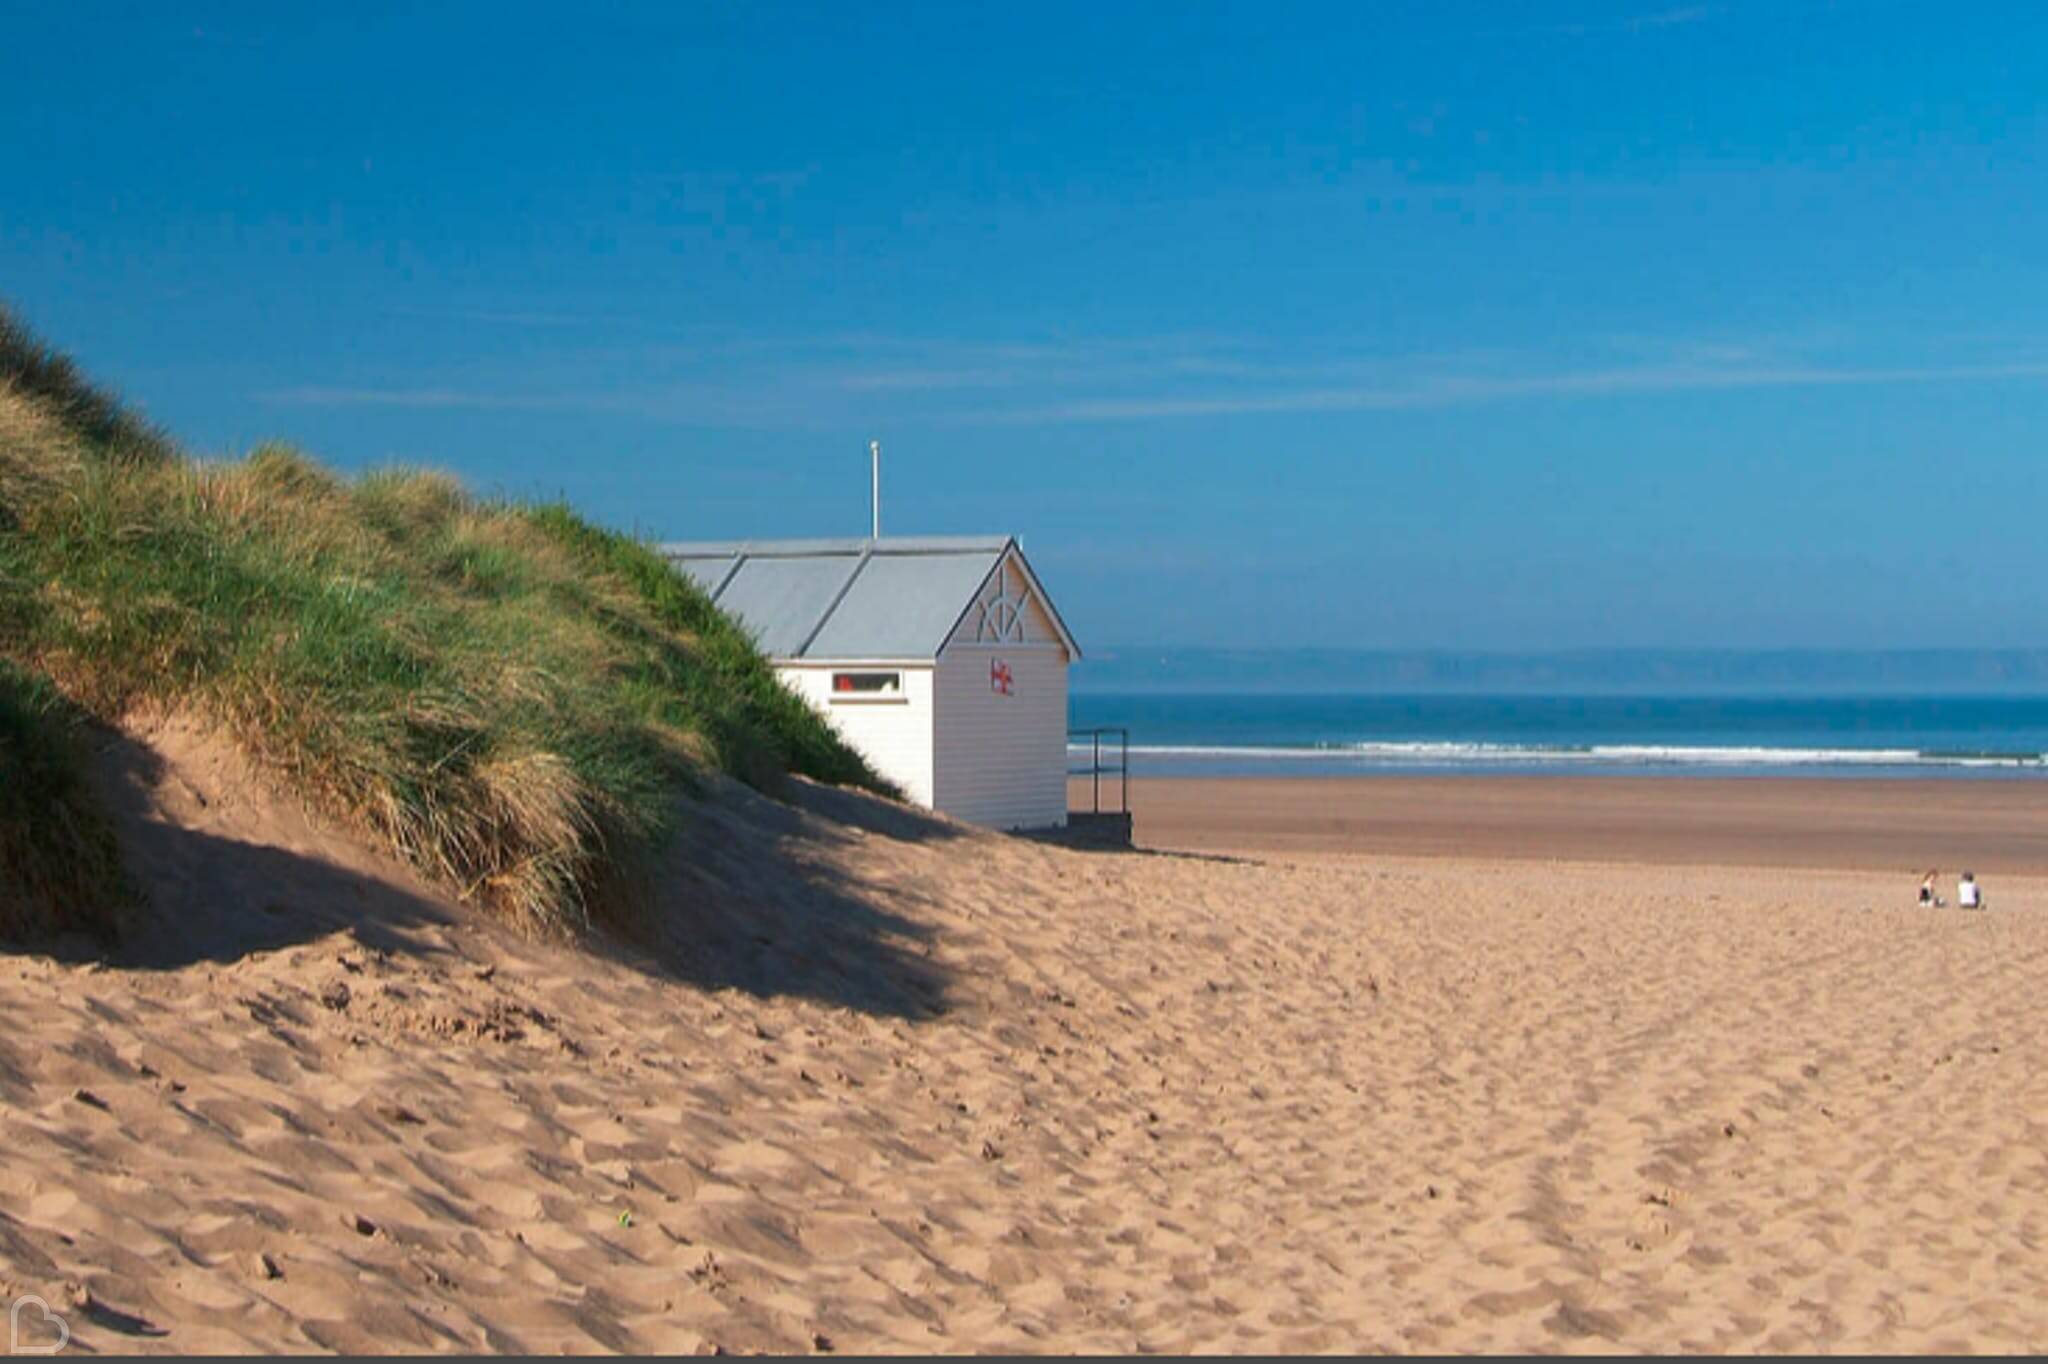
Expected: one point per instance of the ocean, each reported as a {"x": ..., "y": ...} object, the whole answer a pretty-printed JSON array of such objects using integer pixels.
[{"x": 1267, "y": 734}]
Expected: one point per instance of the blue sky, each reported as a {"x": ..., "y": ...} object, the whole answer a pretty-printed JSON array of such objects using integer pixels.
[{"x": 1390, "y": 325}]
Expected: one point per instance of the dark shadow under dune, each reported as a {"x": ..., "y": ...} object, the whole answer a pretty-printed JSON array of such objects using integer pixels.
[
  {"x": 751, "y": 894},
  {"x": 1139, "y": 850},
  {"x": 870, "y": 814},
  {"x": 215, "y": 898}
]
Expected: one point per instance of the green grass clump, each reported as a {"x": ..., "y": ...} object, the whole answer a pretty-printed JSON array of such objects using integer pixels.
[
  {"x": 506, "y": 696},
  {"x": 59, "y": 867},
  {"x": 724, "y": 688}
]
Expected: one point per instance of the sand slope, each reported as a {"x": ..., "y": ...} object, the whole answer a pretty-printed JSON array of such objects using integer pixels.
[{"x": 886, "y": 1084}]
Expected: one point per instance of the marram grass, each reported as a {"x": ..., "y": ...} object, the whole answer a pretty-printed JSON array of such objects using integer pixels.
[
  {"x": 59, "y": 868},
  {"x": 504, "y": 695}
]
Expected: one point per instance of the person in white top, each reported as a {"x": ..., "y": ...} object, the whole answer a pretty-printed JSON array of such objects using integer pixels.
[{"x": 1967, "y": 894}]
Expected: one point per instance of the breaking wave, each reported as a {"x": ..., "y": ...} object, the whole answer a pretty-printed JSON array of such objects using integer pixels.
[{"x": 1455, "y": 754}]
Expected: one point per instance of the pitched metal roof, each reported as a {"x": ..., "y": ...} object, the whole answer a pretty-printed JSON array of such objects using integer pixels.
[{"x": 855, "y": 599}]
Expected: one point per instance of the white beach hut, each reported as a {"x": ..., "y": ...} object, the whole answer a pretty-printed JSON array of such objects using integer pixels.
[{"x": 943, "y": 661}]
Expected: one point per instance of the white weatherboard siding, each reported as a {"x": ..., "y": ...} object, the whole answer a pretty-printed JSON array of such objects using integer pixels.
[
  {"x": 1001, "y": 760},
  {"x": 895, "y": 736}
]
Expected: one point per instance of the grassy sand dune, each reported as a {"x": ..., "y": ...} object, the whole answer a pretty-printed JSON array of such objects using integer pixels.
[{"x": 504, "y": 695}]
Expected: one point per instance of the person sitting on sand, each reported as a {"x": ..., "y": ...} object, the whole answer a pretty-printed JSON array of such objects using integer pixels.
[
  {"x": 1928, "y": 899},
  {"x": 1968, "y": 896}
]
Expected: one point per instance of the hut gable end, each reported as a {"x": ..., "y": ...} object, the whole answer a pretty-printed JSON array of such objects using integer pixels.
[{"x": 1008, "y": 610}]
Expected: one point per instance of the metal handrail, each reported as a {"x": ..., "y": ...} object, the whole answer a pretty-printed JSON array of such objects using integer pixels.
[{"x": 1094, "y": 770}]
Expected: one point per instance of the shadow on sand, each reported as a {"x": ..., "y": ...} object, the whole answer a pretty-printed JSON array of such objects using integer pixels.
[
  {"x": 751, "y": 894},
  {"x": 1079, "y": 838},
  {"x": 208, "y": 897},
  {"x": 757, "y": 895}
]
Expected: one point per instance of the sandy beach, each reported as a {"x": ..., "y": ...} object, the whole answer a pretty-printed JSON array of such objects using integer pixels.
[
  {"x": 1903, "y": 827},
  {"x": 882, "y": 1083}
]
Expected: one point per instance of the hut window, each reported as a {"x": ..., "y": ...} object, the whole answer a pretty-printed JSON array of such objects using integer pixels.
[{"x": 866, "y": 686}]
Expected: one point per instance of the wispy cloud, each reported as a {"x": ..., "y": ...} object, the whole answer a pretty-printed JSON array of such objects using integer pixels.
[
  {"x": 1461, "y": 391},
  {"x": 839, "y": 382},
  {"x": 927, "y": 380},
  {"x": 1671, "y": 18},
  {"x": 313, "y": 395},
  {"x": 1066, "y": 365},
  {"x": 1676, "y": 17},
  {"x": 510, "y": 317}
]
